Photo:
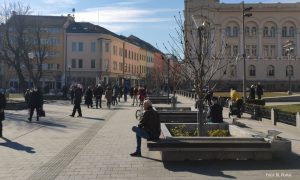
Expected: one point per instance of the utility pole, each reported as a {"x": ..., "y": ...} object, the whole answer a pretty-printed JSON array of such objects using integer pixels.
[{"x": 245, "y": 13}]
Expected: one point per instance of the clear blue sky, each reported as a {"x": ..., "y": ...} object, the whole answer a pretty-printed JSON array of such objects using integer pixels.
[{"x": 151, "y": 20}]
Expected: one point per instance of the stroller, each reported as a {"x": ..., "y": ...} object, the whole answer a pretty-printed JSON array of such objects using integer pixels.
[{"x": 236, "y": 108}]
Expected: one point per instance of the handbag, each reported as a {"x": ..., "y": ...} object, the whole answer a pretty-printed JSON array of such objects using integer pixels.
[{"x": 42, "y": 113}]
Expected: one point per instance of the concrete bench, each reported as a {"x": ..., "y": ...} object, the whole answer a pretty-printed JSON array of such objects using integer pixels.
[{"x": 212, "y": 148}]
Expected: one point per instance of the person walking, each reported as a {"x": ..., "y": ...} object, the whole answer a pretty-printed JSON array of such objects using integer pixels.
[
  {"x": 108, "y": 96},
  {"x": 35, "y": 103},
  {"x": 135, "y": 95},
  {"x": 2, "y": 107},
  {"x": 98, "y": 95},
  {"x": 89, "y": 97},
  {"x": 72, "y": 93},
  {"x": 215, "y": 111},
  {"x": 259, "y": 90},
  {"x": 148, "y": 128},
  {"x": 252, "y": 92},
  {"x": 77, "y": 101}
]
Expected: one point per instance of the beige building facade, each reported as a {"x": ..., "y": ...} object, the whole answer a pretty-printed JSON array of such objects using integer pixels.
[{"x": 265, "y": 33}]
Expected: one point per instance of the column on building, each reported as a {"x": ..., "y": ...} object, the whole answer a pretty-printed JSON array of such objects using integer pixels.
[
  {"x": 260, "y": 44},
  {"x": 279, "y": 45}
]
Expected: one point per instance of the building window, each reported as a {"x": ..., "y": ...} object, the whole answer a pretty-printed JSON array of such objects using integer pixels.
[
  {"x": 228, "y": 31},
  {"x": 73, "y": 46},
  {"x": 252, "y": 71},
  {"x": 289, "y": 70},
  {"x": 266, "y": 50},
  {"x": 80, "y": 64},
  {"x": 266, "y": 31},
  {"x": 129, "y": 54},
  {"x": 121, "y": 66},
  {"x": 272, "y": 32},
  {"x": 125, "y": 53},
  {"x": 291, "y": 31},
  {"x": 247, "y": 50},
  {"x": 73, "y": 63},
  {"x": 93, "y": 63},
  {"x": 247, "y": 31},
  {"x": 80, "y": 46},
  {"x": 93, "y": 47},
  {"x": 270, "y": 71},
  {"x": 284, "y": 31},
  {"x": 253, "y": 31},
  {"x": 106, "y": 47},
  {"x": 235, "y": 31},
  {"x": 115, "y": 65},
  {"x": 272, "y": 50},
  {"x": 120, "y": 52}
]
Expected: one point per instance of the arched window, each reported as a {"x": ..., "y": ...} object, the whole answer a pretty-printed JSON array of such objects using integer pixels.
[
  {"x": 291, "y": 31},
  {"x": 247, "y": 31},
  {"x": 253, "y": 31},
  {"x": 289, "y": 70},
  {"x": 270, "y": 71},
  {"x": 235, "y": 31},
  {"x": 284, "y": 31},
  {"x": 272, "y": 31},
  {"x": 266, "y": 31},
  {"x": 228, "y": 31},
  {"x": 232, "y": 71},
  {"x": 252, "y": 70}
]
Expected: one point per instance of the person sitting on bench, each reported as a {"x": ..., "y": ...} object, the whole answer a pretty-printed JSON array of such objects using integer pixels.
[
  {"x": 215, "y": 112},
  {"x": 148, "y": 128}
]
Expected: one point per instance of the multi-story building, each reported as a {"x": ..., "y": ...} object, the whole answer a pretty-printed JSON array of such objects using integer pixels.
[
  {"x": 53, "y": 36},
  {"x": 95, "y": 54},
  {"x": 265, "y": 33}
]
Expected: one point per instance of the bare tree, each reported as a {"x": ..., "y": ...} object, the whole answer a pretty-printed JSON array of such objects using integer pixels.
[
  {"x": 13, "y": 38},
  {"x": 23, "y": 45},
  {"x": 202, "y": 56}
]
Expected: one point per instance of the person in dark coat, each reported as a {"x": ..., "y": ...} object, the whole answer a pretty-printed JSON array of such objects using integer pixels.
[
  {"x": 89, "y": 97},
  {"x": 148, "y": 128},
  {"x": 108, "y": 96},
  {"x": 259, "y": 90},
  {"x": 77, "y": 100},
  {"x": 215, "y": 112},
  {"x": 252, "y": 92},
  {"x": 35, "y": 103},
  {"x": 98, "y": 95},
  {"x": 72, "y": 93},
  {"x": 27, "y": 97},
  {"x": 2, "y": 107}
]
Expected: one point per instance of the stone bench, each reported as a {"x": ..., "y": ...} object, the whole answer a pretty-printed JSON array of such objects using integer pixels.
[
  {"x": 160, "y": 100},
  {"x": 181, "y": 149}
]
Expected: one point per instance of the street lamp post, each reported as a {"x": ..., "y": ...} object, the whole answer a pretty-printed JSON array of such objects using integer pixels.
[
  {"x": 69, "y": 78},
  {"x": 245, "y": 13},
  {"x": 289, "y": 48},
  {"x": 168, "y": 79}
]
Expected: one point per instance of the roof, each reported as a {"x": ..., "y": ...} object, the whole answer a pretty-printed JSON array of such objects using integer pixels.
[
  {"x": 32, "y": 20},
  {"x": 86, "y": 27},
  {"x": 135, "y": 40}
]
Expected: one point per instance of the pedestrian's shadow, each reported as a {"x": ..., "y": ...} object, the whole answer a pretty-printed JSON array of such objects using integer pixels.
[{"x": 16, "y": 146}]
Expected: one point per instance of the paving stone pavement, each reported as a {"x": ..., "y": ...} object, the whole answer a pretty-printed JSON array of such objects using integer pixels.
[{"x": 98, "y": 145}]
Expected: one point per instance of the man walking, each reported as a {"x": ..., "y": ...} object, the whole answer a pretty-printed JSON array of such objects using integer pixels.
[
  {"x": 77, "y": 101},
  {"x": 98, "y": 94}
]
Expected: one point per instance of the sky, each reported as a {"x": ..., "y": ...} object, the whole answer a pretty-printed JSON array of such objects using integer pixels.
[{"x": 150, "y": 20}]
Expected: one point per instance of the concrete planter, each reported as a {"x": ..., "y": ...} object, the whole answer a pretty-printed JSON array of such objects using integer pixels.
[{"x": 241, "y": 145}]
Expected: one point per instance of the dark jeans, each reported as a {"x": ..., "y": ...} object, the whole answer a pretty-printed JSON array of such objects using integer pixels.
[
  {"x": 31, "y": 112},
  {"x": 98, "y": 101},
  {"x": 78, "y": 108},
  {"x": 140, "y": 133},
  {"x": 1, "y": 128}
]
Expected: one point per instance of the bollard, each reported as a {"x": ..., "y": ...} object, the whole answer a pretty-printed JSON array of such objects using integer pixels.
[
  {"x": 298, "y": 120},
  {"x": 274, "y": 116}
]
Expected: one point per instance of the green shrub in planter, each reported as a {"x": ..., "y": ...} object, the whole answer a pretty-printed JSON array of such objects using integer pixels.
[
  {"x": 182, "y": 131},
  {"x": 259, "y": 102},
  {"x": 218, "y": 133}
]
